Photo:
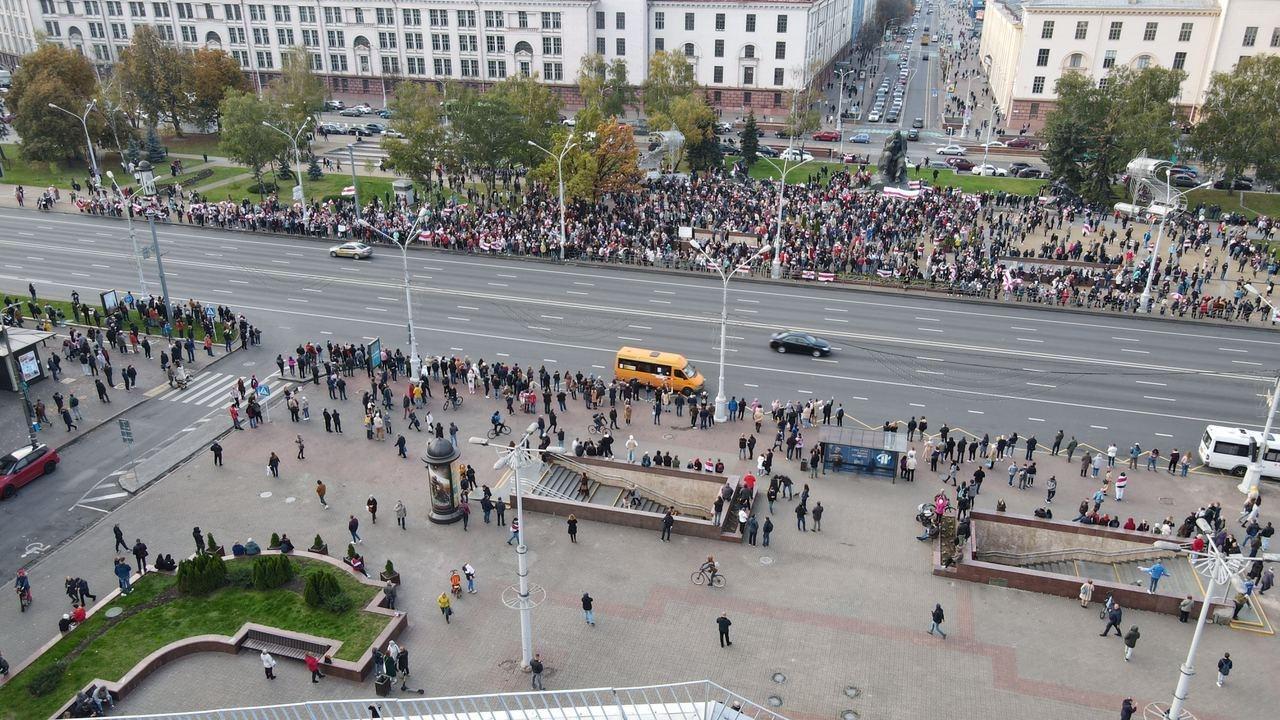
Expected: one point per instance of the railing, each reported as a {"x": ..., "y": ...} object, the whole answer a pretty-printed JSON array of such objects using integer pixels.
[
  {"x": 698, "y": 700},
  {"x": 1086, "y": 554},
  {"x": 632, "y": 485}
]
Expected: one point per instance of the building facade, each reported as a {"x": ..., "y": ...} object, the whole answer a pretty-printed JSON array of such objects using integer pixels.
[
  {"x": 1026, "y": 46},
  {"x": 16, "y": 38},
  {"x": 746, "y": 54}
]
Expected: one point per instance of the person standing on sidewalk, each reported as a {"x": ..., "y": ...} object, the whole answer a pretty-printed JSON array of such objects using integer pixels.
[
  {"x": 1051, "y": 489},
  {"x": 302, "y": 454},
  {"x": 216, "y": 449},
  {"x": 667, "y": 521},
  {"x": 320, "y": 493},
  {"x": 198, "y": 535},
  {"x": 1131, "y": 641},
  {"x": 353, "y": 525},
  {"x": 372, "y": 506},
  {"x": 536, "y": 667},
  {"x": 119, "y": 538},
  {"x": 1224, "y": 668},
  {"x": 1127, "y": 709},
  {"x": 273, "y": 465},
  {"x": 268, "y": 664},
  {"x": 1086, "y": 593},
  {"x": 140, "y": 554},
  {"x": 572, "y": 524},
  {"x": 401, "y": 513},
  {"x": 587, "y": 613},
  {"x": 722, "y": 623},
  {"x": 1184, "y": 608},
  {"x": 937, "y": 616}
]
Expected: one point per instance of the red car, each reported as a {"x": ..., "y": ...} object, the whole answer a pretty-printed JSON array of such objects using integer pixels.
[
  {"x": 826, "y": 135},
  {"x": 1022, "y": 142},
  {"x": 959, "y": 163},
  {"x": 24, "y": 465}
]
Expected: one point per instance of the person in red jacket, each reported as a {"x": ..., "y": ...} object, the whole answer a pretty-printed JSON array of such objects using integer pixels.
[{"x": 313, "y": 664}]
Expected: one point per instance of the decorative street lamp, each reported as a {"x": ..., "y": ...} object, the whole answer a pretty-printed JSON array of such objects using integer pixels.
[
  {"x": 84, "y": 122},
  {"x": 559, "y": 158}
]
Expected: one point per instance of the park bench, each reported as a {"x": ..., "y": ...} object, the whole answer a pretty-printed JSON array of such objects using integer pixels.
[{"x": 283, "y": 645}]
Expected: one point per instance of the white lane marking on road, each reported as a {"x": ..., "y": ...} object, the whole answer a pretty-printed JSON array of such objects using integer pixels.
[
  {"x": 350, "y": 269},
  {"x": 104, "y": 511},
  {"x": 916, "y": 404},
  {"x": 421, "y": 277},
  {"x": 858, "y": 397},
  {"x": 80, "y": 274},
  {"x": 461, "y": 319},
  {"x": 599, "y": 367},
  {"x": 43, "y": 227},
  {"x": 213, "y": 254},
  {"x": 1099, "y": 427},
  {"x": 239, "y": 282},
  {"x": 927, "y": 319},
  {"x": 640, "y": 327},
  {"x": 280, "y": 262},
  {"x": 665, "y": 292},
  {"x": 219, "y": 290},
  {"x": 1023, "y": 329},
  {"x": 494, "y": 284},
  {"x": 840, "y": 310},
  {"x": 585, "y": 284},
  {"x": 503, "y": 354},
  {"x": 467, "y": 307},
  {"x": 387, "y": 299},
  {"x": 298, "y": 300},
  {"x": 931, "y": 359},
  {"x": 752, "y": 385},
  {"x": 1043, "y": 385},
  {"x": 429, "y": 267},
  {"x": 311, "y": 290},
  {"x": 930, "y": 330},
  {"x": 102, "y": 234},
  {"x": 978, "y": 412},
  {"x": 291, "y": 254},
  {"x": 456, "y": 348},
  {"x": 805, "y": 392},
  {"x": 174, "y": 274},
  {"x": 1125, "y": 339},
  {"x": 1245, "y": 362},
  {"x": 835, "y": 320},
  {"x": 228, "y": 247},
  {"x": 505, "y": 275},
  {"x": 576, "y": 292},
  {"x": 1158, "y": 397},
  {"x": 366, "y": 307},
  {"x": 1233, "y": 350},
  {"x": 1029, "y": 340},
  {"x": 1033, "y": 370},
  {"x": 929, "y": 372},
  {"x": 734, "y": 337},
  {"x": 1163, "y": 435},
  {"x": 632, "y": 339},
  {"x": 86, "y": 240},
  {"x": 744, "y": 310},
  {"x": 550, "y": 317},
  {"x": 549, "y": 360},
  {"x": 366, "y": 337},
  {"x": 826, "y": 360},
  {"x": 1150, "y": 382},
  {"x": 1036, "y": 419},
  {"x": 660, "y": 302},
  {"x": 107, "y": 267},
  {"x": 100, "y": 498},
  {"x": 538, "y": 327},
  {"x": 326, "y": 332},
  {"x": 1131, "y": 350},
  {"x": 745, "y": 300}
]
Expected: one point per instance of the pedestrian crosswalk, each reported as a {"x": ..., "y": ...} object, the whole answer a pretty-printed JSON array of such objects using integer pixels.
[{"x": 205, "y": 389}]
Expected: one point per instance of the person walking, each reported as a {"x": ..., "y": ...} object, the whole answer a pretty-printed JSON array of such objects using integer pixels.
[
  {"x": 536, "y": 667},
  {"x": 446, "y": 609},
  {"x": 268, "y": 664},
  {"x": 1051, "y": 489},
  {"x": 313, "y": 664},
  {"x": 321, "y": 489},
  {"x": 722, "y": 623},
  {"x": 667, "y": 521},
  {"x": 302, "y": 454},
  {"x": 1127, "y": 709},
  {"x": 216, "y": 449},
  {"x": 1224, "y": 668},
  {"x": 401, "y": 514},
  {"x": 372, "y": 506},
  {"x": 1113, "y": 621},
  {"x": 1131, "y": 641},
  {"x": 1086, "y": 593},
  {"x": 572, "y": 524},
  {"x": 353, "y": 526},
  {"x": 587, "y": 613},
  {"x": 937, "y": 616},
  {"x": 515, "y": 531},
  {"x": 273, "y": 465},
  {"x": 119, "y": 538}
]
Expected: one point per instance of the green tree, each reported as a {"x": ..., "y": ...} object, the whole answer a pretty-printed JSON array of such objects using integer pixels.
[
  {"x": 535, "y": 112},
  {"x": 604, "y": 87},
  {"x": 52, "y": 74},
  {"x": 704, "y": 152},
  {"x": 691, "y": 115},
  {"x": 750, "y": 142},
  {"x": 158, "y": 76},
  {"x": 483, "y": 132},
  {"x": 1070, "y": 134},
  {"x": 213, "y": 74},
  {"x": 314, "y": 171},
  {"x": 670, "y": 76},
  {"x": 244, "y": 138},
  {"x": 1240, "y": 126},
  {"x": 297, "y": 93},
  {"x": 416, "y": 114},
  {"x": 603, "y": 160},
  {"x": 155, "y": 151}
]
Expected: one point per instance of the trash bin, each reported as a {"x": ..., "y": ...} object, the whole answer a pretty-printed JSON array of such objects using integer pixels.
[
  {"x": 382, "y": 685},
  {"x": 804, "y": 465}
]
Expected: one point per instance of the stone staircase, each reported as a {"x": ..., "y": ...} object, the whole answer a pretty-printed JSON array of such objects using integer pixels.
[
  {"x": 1179, "y": 581},
  {"x": 561, "y": 482}
]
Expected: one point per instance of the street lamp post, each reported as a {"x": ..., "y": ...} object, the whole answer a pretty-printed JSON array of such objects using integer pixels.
[
  {"x": 415, "y": 361},
  {"x": 559, "y": 158},
  {"x": 722, "y": 414},
  {"x": 84, "y": 122},
  {"x": 300, "y": 195},
  {"x": 1221, "y": 569},
  {"x": 840, "y": 108},
  {"x": 146, "y": 179},
  {"x": 1170, "y": 197},
  {"x": 15, "y": 373},
  {"x": 783, "y": 172},
  {"x": 515, "y": 457},
  {"x": 133, "y": 236},
  {"x": 1250, "y": 485}
]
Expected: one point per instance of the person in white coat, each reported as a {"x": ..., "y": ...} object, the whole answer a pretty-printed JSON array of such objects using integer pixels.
[{"x": 268, "y": 664}]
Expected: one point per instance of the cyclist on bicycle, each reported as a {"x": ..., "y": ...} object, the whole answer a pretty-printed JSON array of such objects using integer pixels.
[
  {"x": 710, "y": 569},
  {"x": 22, "y": 586},
  {"x": 600, "y": 422},
  {"x": 496, "y": 420}
]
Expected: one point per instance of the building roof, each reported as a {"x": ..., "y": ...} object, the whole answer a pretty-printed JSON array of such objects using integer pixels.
[{"x": 1120, "y": 4}]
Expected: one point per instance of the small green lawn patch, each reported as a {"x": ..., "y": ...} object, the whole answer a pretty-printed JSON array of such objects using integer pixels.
[
  {"x": 1255, "y": 203},
  {"x": 192, "y": 144},
  {"x": 89, "y": 296},
  {"x": 156, "y": 615},
  {"x": 329, "y": 186}
]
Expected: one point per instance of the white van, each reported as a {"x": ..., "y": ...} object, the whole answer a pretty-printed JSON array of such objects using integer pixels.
[{"x": 1228, "y": 448}]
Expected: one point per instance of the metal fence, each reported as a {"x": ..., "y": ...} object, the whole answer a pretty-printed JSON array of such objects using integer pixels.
[{"x": 698, "y": 700}]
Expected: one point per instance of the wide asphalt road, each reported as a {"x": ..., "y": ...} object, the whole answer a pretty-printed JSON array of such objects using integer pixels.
[{"x": 983, "y": 368}]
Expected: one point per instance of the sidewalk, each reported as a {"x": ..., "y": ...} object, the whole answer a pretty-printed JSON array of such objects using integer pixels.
[{"x": 859, "y": 590}]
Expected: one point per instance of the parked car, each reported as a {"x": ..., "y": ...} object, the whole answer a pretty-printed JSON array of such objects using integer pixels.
[
  {"x": 334, "y": 105},
  {"x": 892, "y": 115},
  {"x": 391, "y": 132},
  {"x": 874, "y": 116},
  {"x": 743, "y": 133},
  {"x": 359, "y": 131},
  {"x": 855, "y": 159},
  {"x": 356, "y": 250},
  {"x": 331, "y": 128},
  {"x": 994, "y": 144},
  {"x": 1015, "y": 168},
  {"x": 795, "y": 154},
  {"x": 1033, "y": 173},
  {"x": 24, "y": 465},
  {"x": 794, "y": 341},
  {"x": 364, "y": 108},
  {"x": 1240, "y": 183},
  {"x": 860, "y": 138},
  {"x": 766, "y": 151},
  {"x": 826, "y": 136},
  {"x": 351, "y": 112},
  {"x": 782, "y": 133},
  {"x": 959, "y": 163},
  {"x": 384, "y": 113},
  {"x": 951, "y": 149},
  {"x": 989, "y": 170},
  {"x": 1022, "y": 142},
  {"x": 375, "y": 128},
  {"x": 1184, "y": 180}
]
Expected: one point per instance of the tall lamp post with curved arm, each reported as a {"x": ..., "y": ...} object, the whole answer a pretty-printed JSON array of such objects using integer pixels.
[
  {"x": 1169, "y": 201},
  {"x": 783, "y": 171},
  {"x": 725, "y": 276},
  {"x": 415, "y": 361},
  {"x": 1221, "y": 569},
  {"x": 569, "y": 144},
  {"x": 84, "y": 122},
  {"x": 301, "y": 195}
]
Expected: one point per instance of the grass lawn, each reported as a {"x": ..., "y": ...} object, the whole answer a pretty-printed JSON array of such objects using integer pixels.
[
  {"x": 89, "y": 295},
  {"x": 191, "y": 144},
  {"x": 156, "y": 615},
  {"x": 762, "y": 170},
  {"x": 981, "y": 183},
  {"x": 40, "y": 175},
  {"x": 1255, "y": 203},
  {"x": 329, "y": 186}
]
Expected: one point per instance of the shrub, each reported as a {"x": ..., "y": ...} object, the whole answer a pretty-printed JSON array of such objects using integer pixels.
[
  {"x": 240, "y": 576},
  {"x": 389, "y": 569},
  {"x": 271, "y": 571},
  {"x": 351, "y": 550},
  {"x": 201, "y": 574},
  {"x": 210, "y": 543},
  {"x": 339, "y": 603},
  {"x": 322, "y": 590},
  {"x": 318, "y": 542},
  {"x": 275, "y": 540},
  {"x": 46, "y": 679}
]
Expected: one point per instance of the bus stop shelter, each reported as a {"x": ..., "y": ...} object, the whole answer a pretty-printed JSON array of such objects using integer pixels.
[
  {"x": 27, "y": 345},
  {"x": 870, "y": 452}
]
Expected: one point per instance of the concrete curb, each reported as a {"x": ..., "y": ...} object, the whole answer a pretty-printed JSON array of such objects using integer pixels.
[{"x": 848, "y": 285}]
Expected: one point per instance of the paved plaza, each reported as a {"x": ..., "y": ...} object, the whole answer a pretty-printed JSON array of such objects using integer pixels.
[{"x": 847, "y": 607}]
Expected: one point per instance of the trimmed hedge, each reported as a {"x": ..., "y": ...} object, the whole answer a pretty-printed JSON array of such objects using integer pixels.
[
  {"x": 322, "y": 590},
  {"x": 201, "y": 574},
  {"x": 271, "y": 571}
]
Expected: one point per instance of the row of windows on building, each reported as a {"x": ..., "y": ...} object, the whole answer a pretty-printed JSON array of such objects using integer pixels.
[
  {"x": 1150, "y": 31},
  {"x": 690, "y": 21},
  {"x": 284, "y": 13},
  {"x": 1075, "y": 61}
]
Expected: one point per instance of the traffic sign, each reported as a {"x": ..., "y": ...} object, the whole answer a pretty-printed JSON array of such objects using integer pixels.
[
  {"x": 263, "y": 390},
  {"x": 297, "y": 192},
  {"x": 126, "y": 432}
]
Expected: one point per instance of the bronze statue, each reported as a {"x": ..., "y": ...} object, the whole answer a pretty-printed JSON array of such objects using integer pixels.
[{"x": 893, "y": 161}]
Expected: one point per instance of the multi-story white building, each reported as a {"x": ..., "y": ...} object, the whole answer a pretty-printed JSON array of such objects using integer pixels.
[
  {"x": 746, "y": 54},
  {"x": 1028, "y": 44},
  {"x": 16, "y": 39}
]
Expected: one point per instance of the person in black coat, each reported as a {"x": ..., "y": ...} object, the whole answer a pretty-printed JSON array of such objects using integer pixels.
[{"x": 723, "y": 622}]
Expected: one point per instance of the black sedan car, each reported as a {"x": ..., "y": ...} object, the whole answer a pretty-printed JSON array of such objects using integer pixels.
[{"x": 798, "y": 342}]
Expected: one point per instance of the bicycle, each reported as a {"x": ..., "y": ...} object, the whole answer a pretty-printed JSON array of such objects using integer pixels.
[
  {"x": 497, "y": 430},
  {"x": 452, "y": 403},
  {"x": 24, "y": 598},
  {"x": 701, "y": 578}
]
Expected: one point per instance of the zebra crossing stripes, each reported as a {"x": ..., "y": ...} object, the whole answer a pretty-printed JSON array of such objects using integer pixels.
[{"x": 205, "y": 389}]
